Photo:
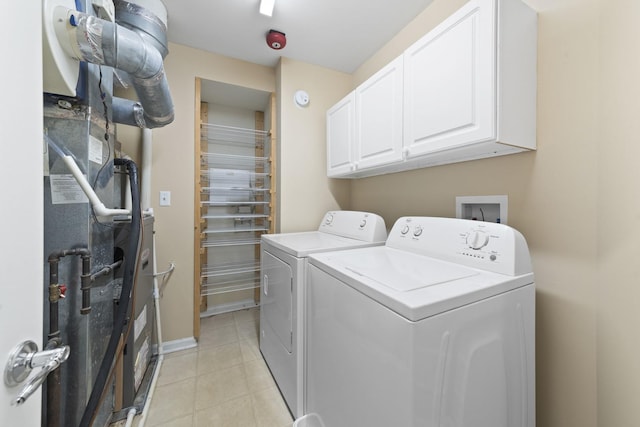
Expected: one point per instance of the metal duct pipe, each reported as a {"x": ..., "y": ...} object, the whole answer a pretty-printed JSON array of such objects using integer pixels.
[
  {"x": 101, "y": 42},
  {"x": 148, "y": 18},
  {"x": 127, "y": 112}
]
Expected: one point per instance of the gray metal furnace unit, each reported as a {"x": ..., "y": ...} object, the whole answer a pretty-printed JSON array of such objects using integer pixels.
[
  {"x": 140, "y": 352},
  {"x": 69, "y": 223}
]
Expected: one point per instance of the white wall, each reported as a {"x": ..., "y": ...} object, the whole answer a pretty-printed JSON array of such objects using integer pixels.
[{"x": 21, "y": 186}]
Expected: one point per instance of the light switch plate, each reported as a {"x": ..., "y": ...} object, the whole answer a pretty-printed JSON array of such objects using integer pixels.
[{"x": 165, "y": 198}]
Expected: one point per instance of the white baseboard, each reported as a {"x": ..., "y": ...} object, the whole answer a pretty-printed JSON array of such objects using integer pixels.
[
  {"x": 226, "y": 308},
  {"x": 179, "y": 345}
]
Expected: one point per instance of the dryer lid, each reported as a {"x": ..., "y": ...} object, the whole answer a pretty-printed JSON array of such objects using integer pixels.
[{"x": 304, "y": 243}]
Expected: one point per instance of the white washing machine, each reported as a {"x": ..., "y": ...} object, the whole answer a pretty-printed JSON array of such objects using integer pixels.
[
  {"x": 282, "y": 286},
  {"x": 436, "y": 328}
]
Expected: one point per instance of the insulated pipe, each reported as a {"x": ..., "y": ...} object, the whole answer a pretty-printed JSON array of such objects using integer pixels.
[
  {"x": 145, "y": 190},
  {"x": 148, "y": 17},
  {"x": 127, "y": 188},
  {"x": 88, "y": 38},
  {"x": 85, "y": 285},
  {"x": 120, "y": 319},
  {"x": 127, "y": 112}
]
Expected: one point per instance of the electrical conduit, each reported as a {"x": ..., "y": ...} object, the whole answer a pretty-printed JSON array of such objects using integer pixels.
[{"x": 156, "y": 373}]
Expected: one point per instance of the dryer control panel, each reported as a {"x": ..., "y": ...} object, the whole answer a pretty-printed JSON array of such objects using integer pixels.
[
  {"x": 364, "y": 226},
  {"x": 484, "y": 245}
]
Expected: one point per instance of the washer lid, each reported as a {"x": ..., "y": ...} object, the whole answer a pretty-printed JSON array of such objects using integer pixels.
[
  {"x": 402, "y": 274},
  {"x": 414, "y": 286},
  {"x": 304, "y": 243}
]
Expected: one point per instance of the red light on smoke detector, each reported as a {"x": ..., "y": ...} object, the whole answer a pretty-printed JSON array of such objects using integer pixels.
[{"x": 276, "y": 39}]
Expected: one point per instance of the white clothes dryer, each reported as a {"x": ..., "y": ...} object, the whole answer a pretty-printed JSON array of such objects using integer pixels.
[
  {"x": 282, "y": 286},
  {"x": 436, "y": 328}
]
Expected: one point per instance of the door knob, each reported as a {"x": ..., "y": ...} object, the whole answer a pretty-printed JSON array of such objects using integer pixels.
[{"x": 23, "y": 359}]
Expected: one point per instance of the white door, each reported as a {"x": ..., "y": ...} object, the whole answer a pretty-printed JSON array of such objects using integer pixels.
[
  {"x": 449, "y": 82},
  {"x": 378, "y": 138},
  {"x": 276, "y": 306},
  {"x": 340, "y": 136},
  {"x": 21, "y": 183}
]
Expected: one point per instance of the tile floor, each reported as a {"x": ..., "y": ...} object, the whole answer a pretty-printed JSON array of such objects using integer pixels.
[{"x": 223, "y": 382}]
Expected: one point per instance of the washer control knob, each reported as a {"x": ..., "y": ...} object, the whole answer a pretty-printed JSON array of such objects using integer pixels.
[
  {"x": 477, "y": 239},
  {"x": 329, "y": 219},
  {"x": 417, "y": 231},
  {"x": 404, "y": 230},
  {"x": 363, "y": 223}
]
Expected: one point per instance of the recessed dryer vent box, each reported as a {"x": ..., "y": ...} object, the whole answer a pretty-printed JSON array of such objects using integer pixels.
[{"x": 482, "y": 208}]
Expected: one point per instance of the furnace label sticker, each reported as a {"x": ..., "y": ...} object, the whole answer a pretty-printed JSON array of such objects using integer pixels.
[
  {"x": 65, "y": 190},
  {"x": 95, "y": 150}
]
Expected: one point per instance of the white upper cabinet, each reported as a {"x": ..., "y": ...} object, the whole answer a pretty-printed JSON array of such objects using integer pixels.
[
  {"x": 450, "y": 83},
  {"x": 468, "y": 91},
  {"x": 341, "y": 136},
  {"x": 378, "y": 138},
  {"x": 470, "y": 84},
  {"x": 364, "y": 129}
]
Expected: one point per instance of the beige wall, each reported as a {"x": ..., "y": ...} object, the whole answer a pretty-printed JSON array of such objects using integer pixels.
[
  {"x": 575, "y": 199},
  {"x": 305, "y": 191},
  {"x": 618, "y": 288},
  {"x": 173, "y": 170}
]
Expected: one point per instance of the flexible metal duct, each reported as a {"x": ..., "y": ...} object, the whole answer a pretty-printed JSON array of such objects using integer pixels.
[
  {"x": 148, "y": 18},
  {"x": 102, "y": 42}
]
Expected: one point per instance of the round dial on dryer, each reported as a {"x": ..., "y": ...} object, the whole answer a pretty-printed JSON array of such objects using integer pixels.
[
  {"x": 329, "y": 219},
  {"x": 477, "y": 239}
]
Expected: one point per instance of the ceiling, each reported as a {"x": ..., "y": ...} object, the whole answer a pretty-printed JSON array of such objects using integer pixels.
[{"x": 335, "y": 34}]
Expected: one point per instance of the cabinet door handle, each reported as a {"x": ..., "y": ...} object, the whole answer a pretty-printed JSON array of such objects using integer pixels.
[
  {"x": 265, "y": 288},
  {"x": 406, "y": 152}
]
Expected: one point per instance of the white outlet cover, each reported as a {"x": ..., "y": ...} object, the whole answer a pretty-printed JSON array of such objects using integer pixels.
[{"x": 165, "y": 198}]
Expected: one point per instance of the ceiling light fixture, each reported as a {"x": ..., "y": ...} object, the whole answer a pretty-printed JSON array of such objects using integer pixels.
[{"x": 266, "y": 7}]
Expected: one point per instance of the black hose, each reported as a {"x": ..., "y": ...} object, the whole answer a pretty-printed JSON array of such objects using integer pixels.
[{"x": 120, "y": 319}]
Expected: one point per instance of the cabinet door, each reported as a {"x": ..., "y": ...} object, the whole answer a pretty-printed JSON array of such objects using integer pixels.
[
  {"x": 450, "y": 82},
  {"x": 340, "y": 136},
  {"x": 379, "y": 117}
]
